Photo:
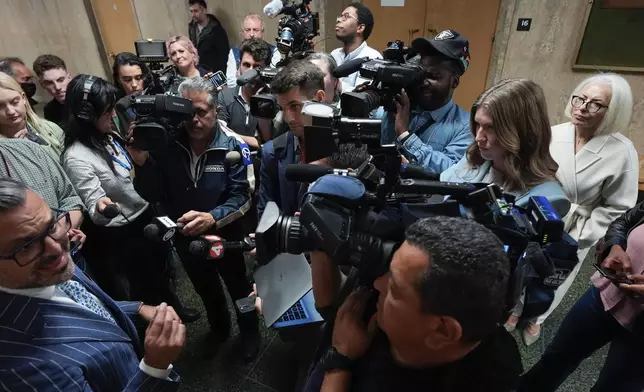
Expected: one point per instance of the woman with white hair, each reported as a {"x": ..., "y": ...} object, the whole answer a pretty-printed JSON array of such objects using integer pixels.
[
  {"x": 598, "y": 169},
  {"x": 183, "y": 55}
]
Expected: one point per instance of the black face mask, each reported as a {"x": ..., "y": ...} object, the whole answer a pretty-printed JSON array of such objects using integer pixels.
[{"x": 29, "y": 89}]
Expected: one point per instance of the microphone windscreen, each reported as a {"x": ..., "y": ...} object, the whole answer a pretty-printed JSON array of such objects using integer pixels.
[
  {"x": 111, "y": 211},
  {"x": 246, "y": 77},
  {"x": 349, "y": 67},
  {"x": 306, "y": 173},
  {"x": 151, "y": 231},
  {"x": 233, "y": 158},
  {"x": 273, "y": 8},
  {"x": 197, "y": 247}
]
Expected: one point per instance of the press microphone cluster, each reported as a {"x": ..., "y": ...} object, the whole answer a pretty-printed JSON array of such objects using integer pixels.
[
  {"x": 162, "y": 229},
  {"x": 214, "y": 247}
]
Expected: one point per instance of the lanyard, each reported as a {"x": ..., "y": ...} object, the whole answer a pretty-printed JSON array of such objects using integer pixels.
[{"x": 125, "y": 165}]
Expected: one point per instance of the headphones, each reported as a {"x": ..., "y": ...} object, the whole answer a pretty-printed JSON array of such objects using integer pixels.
[{"x": 85, "y": 110}]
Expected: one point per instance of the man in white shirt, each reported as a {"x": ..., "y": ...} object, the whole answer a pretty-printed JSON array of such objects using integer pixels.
[
  {"x": 353, "y": 27},
  {"x": 252, "y": 27},
  {"x": 58, "y": 329}
]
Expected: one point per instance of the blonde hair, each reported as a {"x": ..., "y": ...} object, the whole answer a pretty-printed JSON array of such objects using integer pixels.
[
  {"x": 520, "y": 117},
  {"x": 9, "y": 83},
  {"x": 620, "y": 107},
  {"x": 186, "y": 43},
  {"x": 253, "y": 15}
]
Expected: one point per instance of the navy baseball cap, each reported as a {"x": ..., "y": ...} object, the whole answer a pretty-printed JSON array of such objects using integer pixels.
[{"x": 449, "y": 43}]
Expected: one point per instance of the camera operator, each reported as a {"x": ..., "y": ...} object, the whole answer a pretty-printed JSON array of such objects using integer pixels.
[
  {"x": 209, "y": 195},
  {"x": 353, "y": 28},
  {"x": 439, "y": 312},
  {"x": 235, "y": 102},
  {"x": 296, "y": 83},
  {"x": 183, "y": 54},
  {"x": 129, "y": 74},
  {"x": 430, "y": 128},
  {"x": 252, "y": 27},
  {"x": 102, "y": 172},
  {"x": 509, "y": 122}
]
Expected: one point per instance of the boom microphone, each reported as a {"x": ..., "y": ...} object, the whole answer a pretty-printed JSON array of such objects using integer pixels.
[
  {"x": 111, "y": 211},
  {"x": 273, "y": 8},
  {"x": 246, "y": 77},
  {"x": 349, "y": 67}
]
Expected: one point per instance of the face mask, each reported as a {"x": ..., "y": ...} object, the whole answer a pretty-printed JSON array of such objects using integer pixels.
[{"x": 29, "y": 89}]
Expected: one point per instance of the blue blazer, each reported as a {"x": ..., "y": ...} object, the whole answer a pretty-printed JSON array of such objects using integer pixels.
[
  {"x": 52, "y": 346},
  {"x": 463, "y": 172},
  {"x": 277, "y": 154}
]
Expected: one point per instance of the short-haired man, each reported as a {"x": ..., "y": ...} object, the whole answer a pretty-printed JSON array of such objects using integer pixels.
[
  {"x": 16, "y": 68},
  {"x": 332, "y": 85},
  {"x": 209, "y": 36},
  {"x": 298, "y": 82},
  {"x": 235, "y": 102},
  {"x": 430, "y": 128},
  {"x": 353, "y": 28},
  {"x": 252, "y": 27},
  {"x": 438, "y": 325},
  {"x": 53, "y": 77},
  {"x": 60, "y": 331},
  {"x": 198, "y": 187}
]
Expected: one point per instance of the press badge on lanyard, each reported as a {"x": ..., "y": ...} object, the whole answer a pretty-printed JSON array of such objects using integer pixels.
[{"x": 127, "y": 165}]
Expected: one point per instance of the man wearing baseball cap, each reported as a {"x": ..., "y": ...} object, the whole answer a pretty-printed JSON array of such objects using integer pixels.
[{"x": 430, "y": 128}]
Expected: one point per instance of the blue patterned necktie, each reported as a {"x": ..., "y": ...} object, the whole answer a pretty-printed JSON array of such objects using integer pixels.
[{"x": 81, "y": 296}]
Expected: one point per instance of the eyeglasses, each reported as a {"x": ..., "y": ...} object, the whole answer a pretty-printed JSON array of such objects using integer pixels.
[
  {"x": 60, "y": 225},
  {"x": 346, "y": 16},
  {"x": 591, "y": 106}
]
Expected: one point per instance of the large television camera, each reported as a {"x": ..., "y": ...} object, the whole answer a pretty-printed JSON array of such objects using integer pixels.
[
  {"x": 388, "y": 77},
  {"x": 263, "y": 105},
  {"x": 153, "y": 52},
  {"x": 158, "y": 119},
  {"x": 297, "y": 27}
]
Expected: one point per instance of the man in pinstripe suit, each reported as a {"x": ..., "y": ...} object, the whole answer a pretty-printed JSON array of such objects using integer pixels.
[{"x": 58, "y": 330}]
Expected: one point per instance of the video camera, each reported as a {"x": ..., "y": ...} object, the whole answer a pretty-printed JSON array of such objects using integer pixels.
[
  {"x": 262, "y": 105},
  {"x": 298, "y": 26},
  {"x": 153, "y": 52},
  {"x": 388, "y": 76},
  {"x": 158, "y": 119}
]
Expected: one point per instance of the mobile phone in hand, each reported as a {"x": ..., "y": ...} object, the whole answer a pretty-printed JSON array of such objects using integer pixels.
[
  {"x": 246, "y": 305},
  {"x": 218, "y": 78},
  {"x": 612, "y": 275}
]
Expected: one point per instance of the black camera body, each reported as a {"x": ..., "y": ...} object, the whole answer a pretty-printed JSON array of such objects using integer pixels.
[
  {"x": 389, "y": 76},
  {"x": 153, "y": 52},
  {"x": 297, "y": 27},
  {"x": 263, "y": 105},
  {"x": 158, "y": 119}
]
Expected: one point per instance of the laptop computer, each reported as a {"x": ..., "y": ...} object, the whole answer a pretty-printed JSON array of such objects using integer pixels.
[{"x": 285, "y": 287}]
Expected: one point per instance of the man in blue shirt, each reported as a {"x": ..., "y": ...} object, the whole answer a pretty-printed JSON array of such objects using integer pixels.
[{"x": 431, "y": 129}]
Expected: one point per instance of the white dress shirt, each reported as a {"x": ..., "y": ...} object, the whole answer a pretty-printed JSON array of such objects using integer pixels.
[
  {"x": 54, "y": 293},
  {"x": 362, "y": 51}
]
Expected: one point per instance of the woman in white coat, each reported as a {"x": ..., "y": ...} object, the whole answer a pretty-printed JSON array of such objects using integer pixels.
[{"x": 598, "y": 168}]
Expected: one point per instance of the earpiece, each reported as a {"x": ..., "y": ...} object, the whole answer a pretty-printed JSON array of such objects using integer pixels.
[{"x": 85, "y": 110}]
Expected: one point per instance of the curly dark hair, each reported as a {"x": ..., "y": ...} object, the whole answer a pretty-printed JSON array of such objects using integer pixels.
[{"x": 259, "y": 49}]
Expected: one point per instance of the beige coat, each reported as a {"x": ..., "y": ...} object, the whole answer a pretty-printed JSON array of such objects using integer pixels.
[{"x": 600, "y": 181}]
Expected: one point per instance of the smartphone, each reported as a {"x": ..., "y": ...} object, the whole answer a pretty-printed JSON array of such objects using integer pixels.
[
  {"x": 246, "y": 305},
  {"x": 612, "y": 275},
  {"x": 218, "y": 78}
]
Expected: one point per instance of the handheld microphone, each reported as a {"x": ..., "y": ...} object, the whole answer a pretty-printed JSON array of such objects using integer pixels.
[
  {"x": 213, "y": 247},
  {"x": 349, "y": 67},
  {"x": 273, "y": 8},
  {"x": 246, "y": 77},
  {"x": 309, "y": 173},
  {"x": 162, "y": 228},
  {"x": 111, "y": 211}
]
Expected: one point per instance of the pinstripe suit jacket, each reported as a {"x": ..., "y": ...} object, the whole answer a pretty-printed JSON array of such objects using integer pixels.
[{"x": 52, "y": 346}]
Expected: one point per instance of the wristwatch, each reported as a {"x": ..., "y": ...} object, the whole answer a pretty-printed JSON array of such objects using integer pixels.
[{"x": 333, "y": 360}]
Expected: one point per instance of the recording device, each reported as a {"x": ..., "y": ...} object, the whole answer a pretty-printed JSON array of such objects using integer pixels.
[
  {"x": 297, "y": 27},
  {"x": 388, "y": 76},
  {"x": 214, "y": 247},
  {"x": 158, "y": 119},
  {"x": 153, "y": 52},
  {"x": 162, "y": 228},
  {"x": 263, "y": 105},
  {"x": 218, "y": 78},
  {"x": 612, "y": 275},
  {"x": 111, "y": 211},
  {"x": 246, "y": 305}
]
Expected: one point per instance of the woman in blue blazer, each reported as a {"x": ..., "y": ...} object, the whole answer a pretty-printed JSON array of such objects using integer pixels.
[{"x": 511, "y": 130}]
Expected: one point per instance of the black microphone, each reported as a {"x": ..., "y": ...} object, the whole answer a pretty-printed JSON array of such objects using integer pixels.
[
  {"x": 418, "y": 172},
  {"x": 246, "y": 77},
  {"x": 349, "y": 67},
  {"x": 213, "y": 247},
  {"x": 111, "y": 211},
  {"x": 309, "y": 173},
  {"x": 162, "y": 229}
]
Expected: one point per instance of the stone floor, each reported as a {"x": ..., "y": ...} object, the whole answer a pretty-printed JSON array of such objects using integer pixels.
[{"x": 225, "y": 373}]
